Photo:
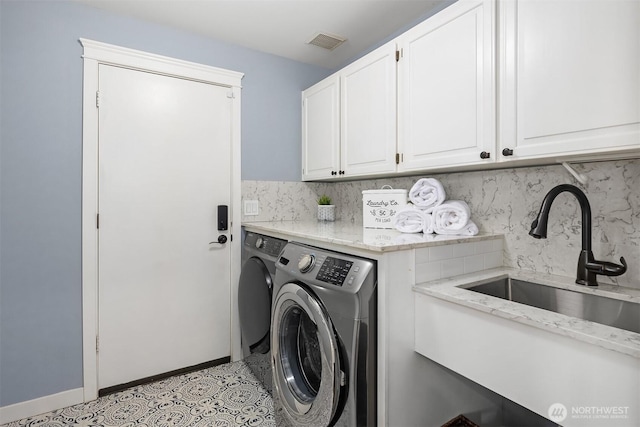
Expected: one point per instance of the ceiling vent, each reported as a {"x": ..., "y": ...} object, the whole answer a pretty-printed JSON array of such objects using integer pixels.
[{"x": 326, "y": 41}]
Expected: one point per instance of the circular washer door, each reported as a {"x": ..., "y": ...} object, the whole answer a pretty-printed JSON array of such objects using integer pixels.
[
  {"x": 254, "y": 305},
  {"x": 305, "y": 359}
]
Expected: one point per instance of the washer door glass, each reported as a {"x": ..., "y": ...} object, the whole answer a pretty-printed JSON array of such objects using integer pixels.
[
  {"x": 306, "y": 363},
  {"x": 254, "y": 305}
]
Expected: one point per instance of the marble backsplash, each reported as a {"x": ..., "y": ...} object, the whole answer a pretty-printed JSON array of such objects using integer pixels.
[{"x": 502, "y": 201}]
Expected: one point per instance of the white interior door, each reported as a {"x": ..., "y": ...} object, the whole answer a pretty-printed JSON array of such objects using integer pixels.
[{"x": 164, "y": 166}]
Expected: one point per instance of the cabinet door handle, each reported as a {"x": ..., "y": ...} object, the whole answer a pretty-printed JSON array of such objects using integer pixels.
[
  {"x": 333, "y": 172},
  {"x": 507, "y": 152},
  {"x": 341, "y": 172},
  {"x": 485, "y": 155}
]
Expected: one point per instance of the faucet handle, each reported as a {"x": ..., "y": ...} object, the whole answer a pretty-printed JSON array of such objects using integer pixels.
[{"x": 607, "y": 268}]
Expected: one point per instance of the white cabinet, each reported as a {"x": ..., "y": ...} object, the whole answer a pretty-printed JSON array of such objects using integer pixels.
[
  {"x": 321, "y": 129},
  {"x": 446, "y": 97},
  {"x": 349, "y": 120},
  {"x": 368, "y": 111},
  {"x": 484, "y": 84},
  {"x": 435, "y": 108},
  {"x": 570, "y": 77}
]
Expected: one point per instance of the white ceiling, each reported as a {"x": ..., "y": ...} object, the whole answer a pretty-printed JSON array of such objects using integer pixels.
[{"x": 282, "y": 27}]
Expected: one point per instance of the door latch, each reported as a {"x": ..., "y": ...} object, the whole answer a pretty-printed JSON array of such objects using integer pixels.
[{"x": 222, "y": 239}]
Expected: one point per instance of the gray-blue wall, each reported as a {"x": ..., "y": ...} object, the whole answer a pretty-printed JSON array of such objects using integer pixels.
[{"x": 41, "y": 160}]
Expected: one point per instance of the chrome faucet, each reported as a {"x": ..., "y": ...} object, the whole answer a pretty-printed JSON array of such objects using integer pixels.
[{"x": 588, "y": 267}]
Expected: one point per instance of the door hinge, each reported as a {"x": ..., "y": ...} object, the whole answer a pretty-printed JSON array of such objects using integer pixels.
[
  {"x": 97, "y": 99},
  {"x": 97, "y": 220}
]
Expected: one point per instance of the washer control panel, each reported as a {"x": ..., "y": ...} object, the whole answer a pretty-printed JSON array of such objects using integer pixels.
[
  {"x": 326, "y": 268},
  {"x": 334, "y": 271},
  {"x": 259, "y": 243}
]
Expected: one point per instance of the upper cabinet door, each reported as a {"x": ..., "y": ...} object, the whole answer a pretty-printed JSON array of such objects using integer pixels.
[
  {"x": 321, "y": 130},
  {"x": 570, "y": 77},
  {"x": 368, "y": 92},
  {"x": 446, "y": 105}
]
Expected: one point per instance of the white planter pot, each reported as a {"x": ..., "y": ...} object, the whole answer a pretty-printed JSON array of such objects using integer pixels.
[{"x": 326, "y": 212}]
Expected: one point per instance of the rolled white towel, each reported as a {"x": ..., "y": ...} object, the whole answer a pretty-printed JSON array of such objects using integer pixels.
[
  {"x": 451, "y": 215},
  {"x": 471, "y": 229},
  {"x": 428, "y": 224},
  {"x": 410, "y": 220},
  {"x": 427, "y": 193}
]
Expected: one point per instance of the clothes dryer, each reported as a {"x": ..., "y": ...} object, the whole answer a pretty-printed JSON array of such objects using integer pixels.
[
  {"x": 259, "y": 254},
  {"x": 323, "y": 340}
]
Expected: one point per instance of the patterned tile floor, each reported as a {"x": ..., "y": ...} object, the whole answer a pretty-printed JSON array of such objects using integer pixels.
[{"x": 222, "y": 396}]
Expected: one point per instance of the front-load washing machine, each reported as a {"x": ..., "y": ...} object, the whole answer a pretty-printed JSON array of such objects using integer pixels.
[
  {"x": 323, "y": 340},
  {"x": 259, "y": 254}
]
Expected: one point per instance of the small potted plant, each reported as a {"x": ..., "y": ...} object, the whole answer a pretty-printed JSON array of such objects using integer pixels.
[{"x": 326, "y": 211}]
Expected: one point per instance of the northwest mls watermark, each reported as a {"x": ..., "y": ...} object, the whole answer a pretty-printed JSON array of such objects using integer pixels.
[{"x": 558, "y": 412}]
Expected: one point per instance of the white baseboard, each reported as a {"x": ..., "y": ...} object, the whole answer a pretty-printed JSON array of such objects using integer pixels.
[{"x": 41, "y": 405}]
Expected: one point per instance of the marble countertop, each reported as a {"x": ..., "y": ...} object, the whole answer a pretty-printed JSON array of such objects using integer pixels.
[
  {"x": 354, "y": 235},
  {"x": 611, "y": 338}
]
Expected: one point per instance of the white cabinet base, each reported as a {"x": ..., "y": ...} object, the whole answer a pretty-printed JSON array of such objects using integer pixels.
[{"x": 532, "y": 367}]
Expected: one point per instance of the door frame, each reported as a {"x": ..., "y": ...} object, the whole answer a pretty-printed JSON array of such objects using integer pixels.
[{"x": 95, "y": 54}]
